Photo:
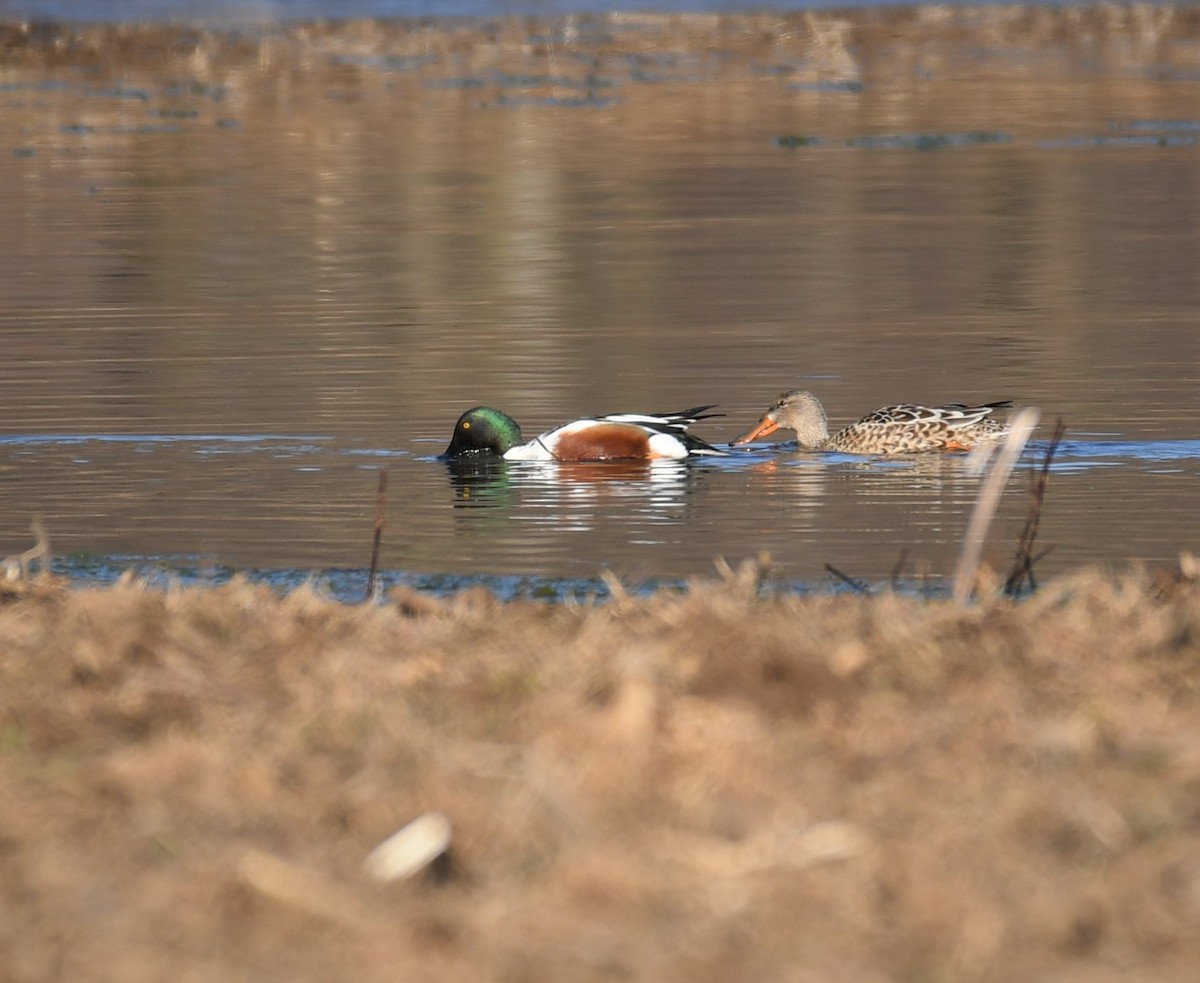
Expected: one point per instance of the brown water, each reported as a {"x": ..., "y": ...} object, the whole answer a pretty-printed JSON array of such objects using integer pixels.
[{"x": 242, "y": 273}]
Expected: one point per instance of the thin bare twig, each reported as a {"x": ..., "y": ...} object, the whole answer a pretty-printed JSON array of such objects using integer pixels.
[
  {"x": 898, "y": 569},
  {"x": 988, "y": 499},
  {"x": 859, "y": 586},
  {"x": 380, "y": 501},
  {"x": 1033, "y": 561},
  {"x": 1046, "y": 552},
  {"x": 1022, "y": 569}
]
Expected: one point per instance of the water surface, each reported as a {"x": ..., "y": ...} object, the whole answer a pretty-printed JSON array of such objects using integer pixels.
[{"x": 244, "y": 272}]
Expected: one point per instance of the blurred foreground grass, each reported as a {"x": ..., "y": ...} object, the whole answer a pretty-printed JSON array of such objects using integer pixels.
[{"x": 702, "y": 786}]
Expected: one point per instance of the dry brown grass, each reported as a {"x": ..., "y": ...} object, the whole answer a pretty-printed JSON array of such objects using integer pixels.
[{"x": 702, "y": 787}]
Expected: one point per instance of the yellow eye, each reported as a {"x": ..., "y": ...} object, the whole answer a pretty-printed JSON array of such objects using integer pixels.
[{"x": 466, "y": 425}]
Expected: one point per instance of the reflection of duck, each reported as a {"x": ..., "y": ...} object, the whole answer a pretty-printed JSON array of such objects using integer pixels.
[
  {"x": 608, "y": 474},
  {"x": 530, "y": 500},
  {"x": 903, "y": 429},
  {"x": 478, "y": 481},
  {"x": 616, "y": 437},
  {"x": 583, "y": 495}
]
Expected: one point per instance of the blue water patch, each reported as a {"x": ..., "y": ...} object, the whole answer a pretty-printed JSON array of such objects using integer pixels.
[
  {"x": 121, "y": 92},
  {"x": 928, "y": 141},
  {"x": 828, "y": 85},
  {"x": 80, "y": 129},
  {"x": 349, "y": 585},
  {"x": 203, "y": 90},
  {"x": 1080, "y": 455},
  {"x": 385, "y": 63},
  {"x": 667, "y": 78},
  {"x": 1163, "y": 125},
  {"x": 462, "y": 82},
  {"x": 244, "y": 12},
  {"x": 536, "y": 81},
  {"x": 1138, "y": 450},
  {"x": 49, "y": 85},
  {"x": 1071, "y": 455},
  {"x": 1130, "y": 140},
  {"x": 342, "y": 584}
]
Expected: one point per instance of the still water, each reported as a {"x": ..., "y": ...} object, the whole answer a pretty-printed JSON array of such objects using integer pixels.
[{"x": 244, "y": 272}]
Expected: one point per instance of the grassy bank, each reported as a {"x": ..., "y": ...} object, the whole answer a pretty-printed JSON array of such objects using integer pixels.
[{"x": 706, "y": 786}]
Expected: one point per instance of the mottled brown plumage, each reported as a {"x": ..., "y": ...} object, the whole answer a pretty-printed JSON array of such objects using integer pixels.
[{"x": 906, "y": 428}]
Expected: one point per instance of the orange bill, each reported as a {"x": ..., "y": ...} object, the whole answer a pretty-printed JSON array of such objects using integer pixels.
[{"x": 764, "y": 427}]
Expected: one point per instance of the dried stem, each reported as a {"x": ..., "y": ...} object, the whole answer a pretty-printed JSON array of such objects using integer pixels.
[
  {"x": 1022, "y": 569},
  {"x": 20, "y": 565},
  {"x": 988, "y": 499},
  {"x": 859, "y": 586},
  {"x": 898, "y": 569},
  {"x": 380, "y": 501}
]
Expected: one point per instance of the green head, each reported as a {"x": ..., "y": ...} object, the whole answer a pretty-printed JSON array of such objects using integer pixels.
[{"x": 483, "y": 430}]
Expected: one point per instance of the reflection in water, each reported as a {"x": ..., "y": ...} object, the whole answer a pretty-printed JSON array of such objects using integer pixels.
[
  {"x": 576, "y": 496},
  {"x": 185, "y": 505},
  {"x": 805, "y": 509},
  {"x": 479, "y": 482},
  {"x": 798, "y": 484},
  {"x": 846, "y": 503}
]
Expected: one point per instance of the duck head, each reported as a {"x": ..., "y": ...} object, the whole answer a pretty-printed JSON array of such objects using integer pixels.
[
  {"x": 483, "y": 430},
  {"x": 797, "y": 410}
]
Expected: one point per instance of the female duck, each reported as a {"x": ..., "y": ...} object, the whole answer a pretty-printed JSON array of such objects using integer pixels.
[
  {"x": 616, "y": 437},
  {"x": 907, "y": 428}
]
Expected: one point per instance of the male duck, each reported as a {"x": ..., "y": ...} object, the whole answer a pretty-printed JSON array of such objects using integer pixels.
[
  {"x": 616, "y": 437},
  {"x": 907, "y": 428}
]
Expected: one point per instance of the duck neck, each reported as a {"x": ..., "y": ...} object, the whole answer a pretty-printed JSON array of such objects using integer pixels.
[{"x": 812, "y": 428}]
